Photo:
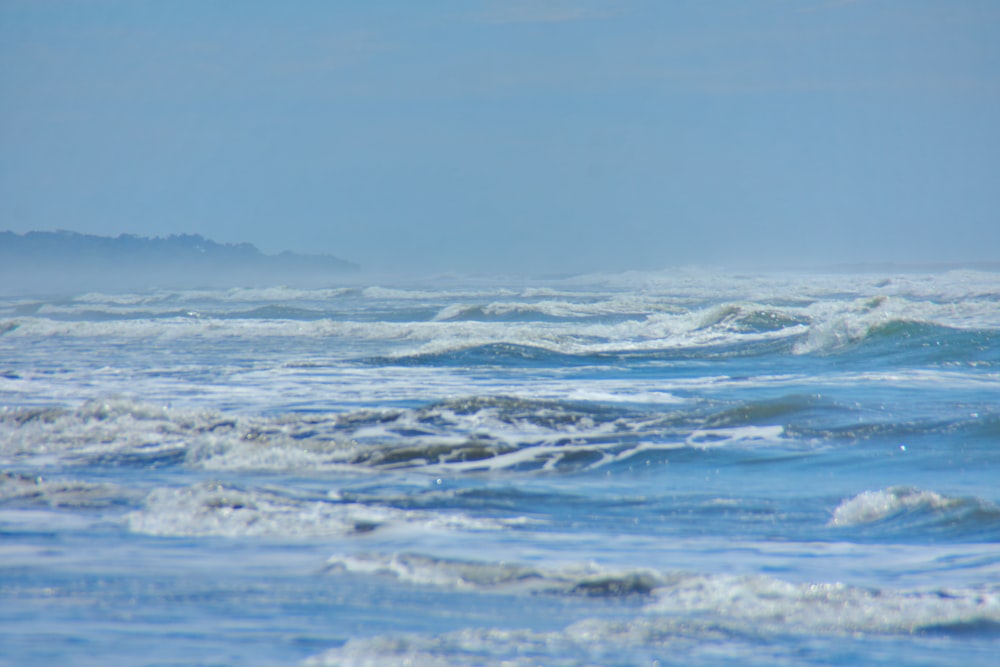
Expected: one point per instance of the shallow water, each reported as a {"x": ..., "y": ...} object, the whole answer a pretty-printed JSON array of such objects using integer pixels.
[{"x": 679, "y": 467}]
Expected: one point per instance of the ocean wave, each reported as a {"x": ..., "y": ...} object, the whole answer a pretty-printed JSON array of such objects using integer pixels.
[
  {"x": 572, "y": 307},
  {"x": 850, "y": 427},
  {"x": 225, "y": 510},
  {"x": 584, "y": 579},
  {"x": 682, "y": 614},
  {"x": 773, "y": 606},
  {"x": 553, "y": 352},
  {"x": 518, "y": 434},
  {"x": 702, "y": 284},
  {"x": 477, "y": 433},
  {"x": 276, "y": 312},
  {"x": 276, "y": 294},
  {"x": 749, "y": 318},
  {"x": 870, "y": 327},
  {"x": 431, "y": 293},
  {"x": 906, "y": 511},
  {"x": 904, "y": 341},
  {"x": 487, "y": 354},
  {"x": 580, "y": 645},
  {"x": 114, "y": 431},
  {"x": 164, "y": 304},
  {"x": 611, "y": 329},
  {"x": 890, "y": 325},
  {"x": 630, "y": 291},
  {"x": 31, "y": 491}
]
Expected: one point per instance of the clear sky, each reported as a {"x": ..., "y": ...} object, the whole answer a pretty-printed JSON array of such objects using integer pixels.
[{"x": 538, "y": 136}]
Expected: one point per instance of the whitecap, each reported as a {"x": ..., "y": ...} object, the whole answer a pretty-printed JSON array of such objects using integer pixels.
[
  {"x": 687, "y": 616},
  {"x": 574, "y": 579},
  {"x": 31, "y": 491},
  {"x": 224, "y": 510},
  {"x": 872, "y": 506}
]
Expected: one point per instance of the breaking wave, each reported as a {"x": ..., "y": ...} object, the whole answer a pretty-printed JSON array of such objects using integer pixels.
[
  {"x": 562, "y": 328},
  {"x": 225, "y": 510},
  {"x": 681, "y": 615},
  {"x": 586, "y": 580},
  {"x": 906, "y": 511},
  {"x": 31, "y": 491},
  {"x": 458, "y": 435}
]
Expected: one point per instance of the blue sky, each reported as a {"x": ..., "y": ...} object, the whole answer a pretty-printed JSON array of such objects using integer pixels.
[{"x": 534, "y": 136}]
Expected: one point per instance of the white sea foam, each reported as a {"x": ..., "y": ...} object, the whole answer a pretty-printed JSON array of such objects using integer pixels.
[
  {"x": 569, "y": 306},
  {"x": 583, "y": 579},
  {"x": 239, "y": 295},
  {"x": 654, "y": 322},
  {"x": 871, "y": 506},
  {"x": 742, "y": 435},
  {"x": 325, "y": 384},
  {"x": 380, "y": 392},
  {"x": 838, "y": 324},
  {"x": 97, "y": 429},
  {"x": 751, "y": 604},
  {"x": 396, "y": 293},
  {"x": 714, "y": 285},
  {"x": 218, "y": 509},
  {"x": 477, "y": 433},
  {"x": 767, "y": 605},
  {"x": 686, "y": 613},
  {"x": 34, "y": 491}
]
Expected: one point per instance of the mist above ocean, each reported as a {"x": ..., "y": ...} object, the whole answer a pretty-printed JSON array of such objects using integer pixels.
[{"x": 679, "y": 467}]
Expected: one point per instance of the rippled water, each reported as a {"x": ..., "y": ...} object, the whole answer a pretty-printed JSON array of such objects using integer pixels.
[{"x": 679, "y": 467}]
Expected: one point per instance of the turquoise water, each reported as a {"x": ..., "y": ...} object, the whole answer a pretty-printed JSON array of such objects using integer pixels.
[{"x": 681, "y": 467}]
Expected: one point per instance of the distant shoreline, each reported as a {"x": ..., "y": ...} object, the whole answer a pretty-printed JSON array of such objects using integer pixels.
[{"x": 59, "y": 260}]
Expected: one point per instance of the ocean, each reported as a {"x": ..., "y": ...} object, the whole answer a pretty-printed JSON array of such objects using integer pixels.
[{"x": 684, "y": 467}]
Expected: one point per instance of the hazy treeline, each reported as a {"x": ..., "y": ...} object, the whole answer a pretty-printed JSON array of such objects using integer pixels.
[{"x": 69, "y": 260}]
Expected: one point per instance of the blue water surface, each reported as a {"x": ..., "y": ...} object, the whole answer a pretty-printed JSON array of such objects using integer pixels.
[{"x": 682, "y": 467}]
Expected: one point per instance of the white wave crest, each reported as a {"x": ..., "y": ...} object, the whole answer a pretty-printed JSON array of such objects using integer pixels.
[
  {"x": 584, "y": 579},
  {"x": 217, "y": 509},
  {"x": 771, "y": 605},
  {"x": 98, "y": 428},
  {"x": 686, "y": 616},
  {"x": 32, "y": 491},
  {"x": 871, "y": 506}
]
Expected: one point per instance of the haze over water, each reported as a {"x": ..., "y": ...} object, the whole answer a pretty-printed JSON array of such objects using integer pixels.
[{"x": 512, "y": 137}]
